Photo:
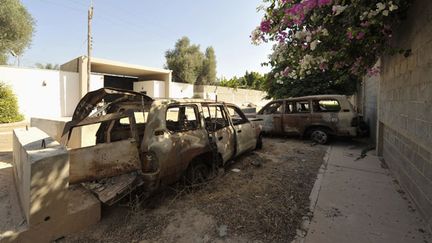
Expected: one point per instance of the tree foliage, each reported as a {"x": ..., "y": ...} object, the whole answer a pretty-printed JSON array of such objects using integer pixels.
[
  {"x": 209, "y": 67},
  {"x": 311, "y": 85},
  {"x": 189, "y": 64},
  {"x": 337, "y": 41},
  {"x": 49, "y": 66},
  {"x": 251, "y": 80},
  {"x": 8, "y": 105},
  {"x": 16, "y": 26}
]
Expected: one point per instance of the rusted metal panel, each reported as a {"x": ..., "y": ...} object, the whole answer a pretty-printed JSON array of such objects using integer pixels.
[
  {"x": 110, "y": 190},
  {"x": 338, "y": 123},
  {"x": 103, "y": 160}
]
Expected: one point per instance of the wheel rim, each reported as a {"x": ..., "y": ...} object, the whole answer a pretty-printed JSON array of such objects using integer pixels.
[
  {"x": 319, "y": 136},
  {"x": 199, "y": 174}
]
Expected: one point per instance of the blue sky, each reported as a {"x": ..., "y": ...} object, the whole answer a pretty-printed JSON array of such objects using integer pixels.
[{"x": 140, "y": 32}]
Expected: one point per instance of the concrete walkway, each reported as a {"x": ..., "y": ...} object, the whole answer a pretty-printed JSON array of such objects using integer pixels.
[{"x": 360, "y": 201}]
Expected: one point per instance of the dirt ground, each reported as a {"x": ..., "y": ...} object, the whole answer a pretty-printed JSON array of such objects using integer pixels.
[{"x": 265, "y": 201}]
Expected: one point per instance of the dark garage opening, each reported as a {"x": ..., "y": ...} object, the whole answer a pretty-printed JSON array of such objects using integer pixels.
[{"x": 119, "y": 82}]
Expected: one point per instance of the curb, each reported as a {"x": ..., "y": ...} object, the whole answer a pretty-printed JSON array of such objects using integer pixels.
[{"x": 313, "y": 197}]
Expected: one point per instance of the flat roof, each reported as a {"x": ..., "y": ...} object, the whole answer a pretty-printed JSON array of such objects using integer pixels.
[
  {"x": 104, "y": 66},
  {"x": 99, "y": 65}
]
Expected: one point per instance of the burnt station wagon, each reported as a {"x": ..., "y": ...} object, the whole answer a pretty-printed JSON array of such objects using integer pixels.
[
  {"x": 316, "y": 117},
  {"x": 148, "y": 142}
]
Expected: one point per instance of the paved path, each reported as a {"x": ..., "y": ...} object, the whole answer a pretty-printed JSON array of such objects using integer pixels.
[
  {"x": 11, "y": 217},
  {"x": 6, "y": 134},
  {"x": 359, "y": 201}
]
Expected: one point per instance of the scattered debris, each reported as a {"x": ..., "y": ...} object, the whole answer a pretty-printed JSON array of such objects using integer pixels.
[
  {"x": 365, "y": 151},
  {"x": 256, "y": 163},
  {"x": 265, "y": 205},
  {"x": 333, "y": 212},
  {"x": 223, "y": 230}
]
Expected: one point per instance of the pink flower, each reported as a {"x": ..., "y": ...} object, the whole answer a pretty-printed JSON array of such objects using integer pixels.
[
  {"x": 309, "y": 4},
  {"x": 324, "y": 2},
  {"x": 360, "y": 35},
  {"x": 286, "y": 72},
  {"x": 323, "y": 66},
  {"x": 350, "y": 35},
  {"x": 265, "y": 26},
  {"x": 364, "y": 24}
]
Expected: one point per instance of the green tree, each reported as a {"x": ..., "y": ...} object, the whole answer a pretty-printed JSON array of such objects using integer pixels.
[
  {"x": 251, "y": 80},
  {"x": 47, "y": 66},
  {"x": 8, "y": 105},
  {"x": 16, "y": 26},
  {"x": 209, "y": 67},
  {"x": 254, "y": 80},
  {"x": 314, "y": 84},
  {"x": 189, "y": 64}
]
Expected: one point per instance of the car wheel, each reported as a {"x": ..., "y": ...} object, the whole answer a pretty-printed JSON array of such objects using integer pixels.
[
  {"x": 259, "y": 142},
  {"x": 197, "y": 173},
  {"x": 319, "y": 135}
]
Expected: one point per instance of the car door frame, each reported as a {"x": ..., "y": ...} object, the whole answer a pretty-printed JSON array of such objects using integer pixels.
[
  {"x": 245, "y": 137},
  {"x": 272, "y": 123},
  {"x": 225, "y": 136},
  {"x": 296, "y": 122}
]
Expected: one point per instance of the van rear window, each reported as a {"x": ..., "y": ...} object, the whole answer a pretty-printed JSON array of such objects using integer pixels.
[{"x": 327, "y": 105}]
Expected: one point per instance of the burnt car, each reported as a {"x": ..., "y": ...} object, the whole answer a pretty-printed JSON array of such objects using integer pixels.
[
  {"x": 140, "y": 141},
  {"x": 315, "y": 117}
]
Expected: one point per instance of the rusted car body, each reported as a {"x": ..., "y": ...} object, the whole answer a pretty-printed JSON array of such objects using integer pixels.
[
  {"x": 154, "y": 142},
  {"x": 316, "y": 117}
]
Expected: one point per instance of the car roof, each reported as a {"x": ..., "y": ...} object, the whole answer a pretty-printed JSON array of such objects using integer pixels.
[
  {"x": 191, "y": 101},
  {"x": 326, "y": 96}
]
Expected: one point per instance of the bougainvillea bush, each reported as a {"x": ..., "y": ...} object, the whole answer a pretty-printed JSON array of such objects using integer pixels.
[{"x": 340, "y": 39}]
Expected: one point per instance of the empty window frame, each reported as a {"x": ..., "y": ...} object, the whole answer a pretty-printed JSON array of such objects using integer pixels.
[
  {"x": 273, "y": 108},
  {"x": 182, "y": 118},
  {"x": 326, "y": 105},
  {"x": 302, "y": 106}
]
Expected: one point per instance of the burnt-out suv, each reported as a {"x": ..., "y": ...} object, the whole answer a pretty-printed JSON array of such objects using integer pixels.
[
  {"x": 316, "y": 117},
  {"x": 148, "y": 142}
]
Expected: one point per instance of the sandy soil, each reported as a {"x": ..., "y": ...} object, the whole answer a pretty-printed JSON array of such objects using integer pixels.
[{"x": 264, "y": 203}]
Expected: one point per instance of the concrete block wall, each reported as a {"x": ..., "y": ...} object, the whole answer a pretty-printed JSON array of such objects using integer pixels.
[
  {"x": 51, "y": 207},
  {"x": 237, "y": 96},
  {"x": 41, "y": 175},
  {"x": 369, "y": 92},
  {"x": 405, "y": 107}
]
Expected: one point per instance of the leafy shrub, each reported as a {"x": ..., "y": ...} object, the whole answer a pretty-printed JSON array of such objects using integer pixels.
[{"x": 8, "y": 105}]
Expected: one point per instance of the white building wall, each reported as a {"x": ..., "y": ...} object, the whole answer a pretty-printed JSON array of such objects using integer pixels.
[
  {"x": 155, "y": 89},
  {"x": 45, "y": 93},
  {"x": 181, "y": 90}
]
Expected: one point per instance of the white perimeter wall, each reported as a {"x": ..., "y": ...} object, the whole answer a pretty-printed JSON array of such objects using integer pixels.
[
  {"x": 153, "y": 88},
  {"x": 240, "y": 97},
  {"x": 181, "y": 90},
  {"x": 57, "y": 98}
]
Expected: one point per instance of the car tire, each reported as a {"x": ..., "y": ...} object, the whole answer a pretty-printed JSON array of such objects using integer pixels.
[
  {"x": 197, "y": 173},
  {"x": 259, "y": 143},
  {"x": 319, "y": 135}
]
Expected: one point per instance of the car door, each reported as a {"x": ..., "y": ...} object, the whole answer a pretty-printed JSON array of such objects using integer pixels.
[
  {"x": 189, "y": 138},
  {"x": 245, "y": 131},
  {"x": 218, "y": 125},
  {"x": 297, "y": 116},
  {"x": 272, "y": 117}
]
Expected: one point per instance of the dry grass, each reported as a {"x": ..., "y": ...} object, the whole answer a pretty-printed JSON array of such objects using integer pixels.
[{"x": 260, "y": 203}]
